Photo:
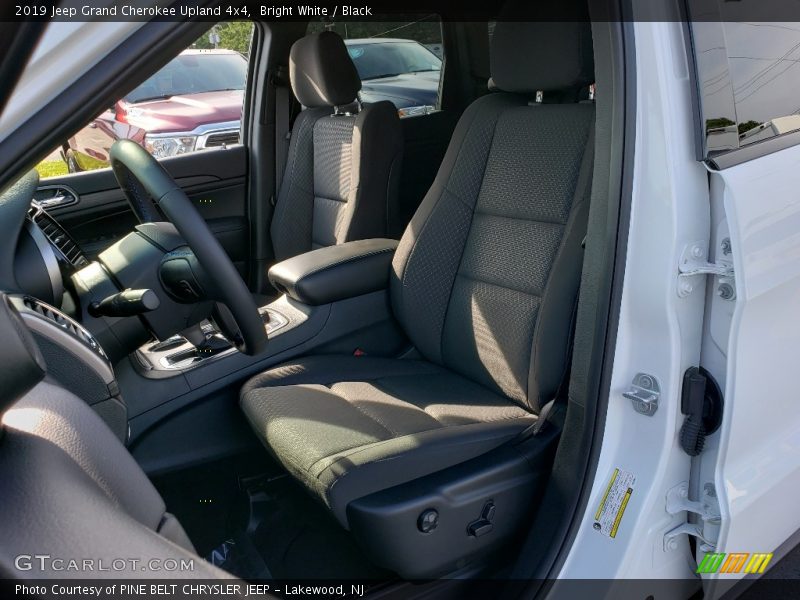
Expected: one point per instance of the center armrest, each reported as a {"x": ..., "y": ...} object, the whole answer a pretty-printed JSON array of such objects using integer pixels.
[{"x": 335, "y": 272}]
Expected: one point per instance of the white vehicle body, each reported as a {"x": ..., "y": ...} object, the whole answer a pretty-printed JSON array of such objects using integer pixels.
[{"x": 682, "y": 209}]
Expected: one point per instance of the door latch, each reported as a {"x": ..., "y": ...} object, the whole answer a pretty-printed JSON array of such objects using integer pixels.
[{"x": 644, "y": 393}]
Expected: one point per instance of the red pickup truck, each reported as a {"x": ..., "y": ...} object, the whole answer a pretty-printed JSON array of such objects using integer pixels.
[{"x": 194, "y": 102}]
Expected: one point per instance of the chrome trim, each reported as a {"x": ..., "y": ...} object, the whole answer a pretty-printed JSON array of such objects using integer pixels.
[
  {"x": 201, "y": 132},
  {"x": 49, "y": 258},
  {"x": 59, "y": 201},
  {"x": 39, "y": 210},
  {"x": 153, "y": 359},
  {"x": 62, "y": 337}
]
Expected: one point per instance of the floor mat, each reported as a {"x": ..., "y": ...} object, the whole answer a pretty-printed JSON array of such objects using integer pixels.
[
  {"x": 246, "y": 515},
  {"x": 299, "y": 539},
  {"x": 238, "y": 556}
]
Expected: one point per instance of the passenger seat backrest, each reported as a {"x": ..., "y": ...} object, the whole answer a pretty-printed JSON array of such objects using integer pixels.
[
  {"x": 486, "y": 274},
  {"x": 343, "y": 165}
]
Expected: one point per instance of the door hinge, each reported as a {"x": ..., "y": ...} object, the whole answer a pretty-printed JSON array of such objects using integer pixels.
[
  {"x": 694, "y": 262},
  {"x": 707, "y": 510}
]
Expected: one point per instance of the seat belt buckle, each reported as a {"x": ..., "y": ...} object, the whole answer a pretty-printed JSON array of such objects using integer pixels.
[{"x": 542, "y": 420}]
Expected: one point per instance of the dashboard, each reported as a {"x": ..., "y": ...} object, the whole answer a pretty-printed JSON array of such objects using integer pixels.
[
  {"x": 40, "y": 265},
  {"x": 46, "y": 257}
]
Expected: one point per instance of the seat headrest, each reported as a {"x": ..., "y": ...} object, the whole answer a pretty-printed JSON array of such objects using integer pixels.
[
  {"x": 23, "y": 364},
  {"x": 527, "y": 57},
  {"x": 322, "y": 72}
]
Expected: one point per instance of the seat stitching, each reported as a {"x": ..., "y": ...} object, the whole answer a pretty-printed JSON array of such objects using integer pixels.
[
  {"x": 387, "y": 389},
  {"x": 368, "y": 415},
  {"x": 439, "y": 199},
  {"x": 355, "y": 451},
  {"x": 525, "y": 219},
  {"x": 497, "y": 285},
  {"x": 474, "y": 206}
]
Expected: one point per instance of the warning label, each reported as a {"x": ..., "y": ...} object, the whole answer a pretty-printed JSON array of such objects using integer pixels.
[{"x": 615, "y": 500}]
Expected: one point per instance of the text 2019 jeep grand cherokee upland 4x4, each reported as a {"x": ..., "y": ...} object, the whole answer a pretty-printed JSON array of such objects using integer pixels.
[
  {"x": 194, "y": 102},
  {"x": 540, "y": 342}
]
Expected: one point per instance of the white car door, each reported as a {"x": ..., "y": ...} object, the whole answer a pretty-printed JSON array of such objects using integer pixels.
[
  {"x": 748, "y": 76},
  {"x": 753, "y": 348}
]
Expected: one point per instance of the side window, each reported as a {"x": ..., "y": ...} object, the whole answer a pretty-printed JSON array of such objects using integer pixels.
[
  {"x": 748, "y": 77},
  {"x": 192, "y": 103},
  {"x": 398, "y": 61}
]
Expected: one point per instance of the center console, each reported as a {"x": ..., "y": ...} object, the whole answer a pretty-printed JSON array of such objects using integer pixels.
[
  {"x": 319, "y": 278},
  {"x": 177, "y": 353}
]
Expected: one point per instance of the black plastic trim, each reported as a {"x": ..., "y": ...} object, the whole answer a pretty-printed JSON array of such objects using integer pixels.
[
  {"x": 611, "y": 326},
  {"x": 691, "y": 65},
  {"x": 726, "y": 160},
  {"x": 550, "y": 540}
]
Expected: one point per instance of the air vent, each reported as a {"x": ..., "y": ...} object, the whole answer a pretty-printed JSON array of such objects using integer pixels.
[
  {"x": 56, "y": 316},
  {"x": 226, "y": 138},
  {"x": 58, "y": 237}
]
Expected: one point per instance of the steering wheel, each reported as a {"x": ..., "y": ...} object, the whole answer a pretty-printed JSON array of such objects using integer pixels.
[{"x": 151, "y": 192}]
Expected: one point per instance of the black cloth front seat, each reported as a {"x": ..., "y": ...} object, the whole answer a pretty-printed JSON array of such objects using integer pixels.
[
  {"x": 69, "y": 489},
  {"x": 343, "y": 164},
  {"x": 483, "y": 283}
]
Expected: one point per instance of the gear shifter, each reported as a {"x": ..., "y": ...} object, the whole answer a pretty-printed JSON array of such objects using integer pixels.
[{"x": 206, "y": 344}]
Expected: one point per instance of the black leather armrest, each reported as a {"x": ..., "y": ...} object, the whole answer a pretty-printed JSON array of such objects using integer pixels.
[{"x": 335, "y": 272}]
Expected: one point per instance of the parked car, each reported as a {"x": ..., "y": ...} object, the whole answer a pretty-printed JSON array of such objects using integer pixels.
[
  {"x": 194, "y": 102},
  {"x": 404, "y": 72}
]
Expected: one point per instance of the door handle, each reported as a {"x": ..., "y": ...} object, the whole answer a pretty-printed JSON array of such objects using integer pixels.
[
  {"x": 58, "y": 200},
  {"x": 57, "y": 196}
]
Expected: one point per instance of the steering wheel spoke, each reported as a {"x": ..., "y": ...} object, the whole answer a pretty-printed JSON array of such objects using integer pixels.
[{"x": 151, "y": 193}]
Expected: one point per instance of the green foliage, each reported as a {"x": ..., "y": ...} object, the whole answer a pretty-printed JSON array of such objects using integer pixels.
[
  {"x": 718, "y": 123},
  {"x": 233, "y": 35},
  {"x": 747, "y": 126},
  {"x": 51, "y": 168}
]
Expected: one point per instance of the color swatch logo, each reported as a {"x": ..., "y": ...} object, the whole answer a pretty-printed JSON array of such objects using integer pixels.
[{"x": 735, "y": 562}]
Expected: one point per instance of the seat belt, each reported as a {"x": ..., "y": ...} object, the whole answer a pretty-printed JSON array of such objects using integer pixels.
[
  {"x": 550, "y": 410},
  {"x": 283, "y": 125}
]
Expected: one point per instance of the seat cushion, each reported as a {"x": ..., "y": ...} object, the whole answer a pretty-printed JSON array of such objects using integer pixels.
[{"x": 350, "y": 426}]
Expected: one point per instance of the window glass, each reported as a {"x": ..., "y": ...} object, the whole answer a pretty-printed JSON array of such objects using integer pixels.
[
  {"x": 192, "y": 103},
  {"x": 194, "y": 72},
  {"x": 748, "y": 78},
  {"x": 398, "y": 61},
  {"x": 383, "y": 60},
  {"x": 765, "y": 76}
]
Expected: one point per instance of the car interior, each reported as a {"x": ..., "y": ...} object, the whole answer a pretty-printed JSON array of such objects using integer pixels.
[{"x": 353, "y": 346}]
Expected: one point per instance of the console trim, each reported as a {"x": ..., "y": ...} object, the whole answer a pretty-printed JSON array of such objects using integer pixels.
[
  {"x": 152, "y": 359},
  {"x": 93, "y": 358}
]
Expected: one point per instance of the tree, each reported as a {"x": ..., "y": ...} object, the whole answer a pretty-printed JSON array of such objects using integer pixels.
[
  {"x": 233, "y": 35},
  {"x": 718, "y": 123},
  {"x": 747, "y": 126}
]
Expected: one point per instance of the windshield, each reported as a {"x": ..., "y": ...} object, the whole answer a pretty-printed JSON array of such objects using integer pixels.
[
  {"x": 377, "y": 60},
  {"x": 193, "y": 74}
]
